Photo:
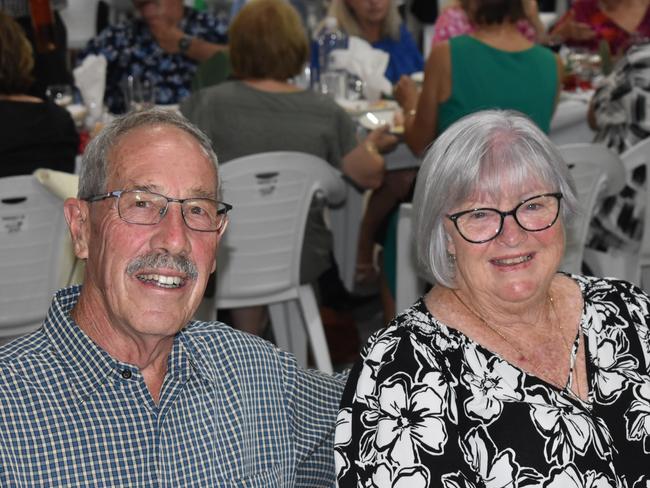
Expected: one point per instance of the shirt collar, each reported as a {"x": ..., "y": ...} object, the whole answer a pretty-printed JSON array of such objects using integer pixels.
[{"x": 89, "y": 365}]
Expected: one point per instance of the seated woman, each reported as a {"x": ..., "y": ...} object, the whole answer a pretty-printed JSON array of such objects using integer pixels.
[
  {"x": 507, "y": 372},
  {"x": 33, "y": 133},
  {"x": 378, "y": 22},
  {"x": 620, "y": 23},
  {"x": 620, "y": 115},
  {"x": 454, "y": 21},
  {"x": 493, "y": 67},
  {"x": 261, "y": 111}
]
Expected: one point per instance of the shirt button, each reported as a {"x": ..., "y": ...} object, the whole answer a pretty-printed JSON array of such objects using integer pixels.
[{"x": 126, "y": 374}]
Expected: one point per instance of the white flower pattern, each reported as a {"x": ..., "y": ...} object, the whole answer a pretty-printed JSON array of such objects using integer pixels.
[{"x": 428, "y": 407}]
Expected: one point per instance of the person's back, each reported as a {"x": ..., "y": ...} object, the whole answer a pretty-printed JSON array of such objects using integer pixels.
[
  {"x": 242, "y": 120},
  {"x": 33, "y": 133},
  {"x": 36, "y": 135},
  {"x": 484, "y": 77}
]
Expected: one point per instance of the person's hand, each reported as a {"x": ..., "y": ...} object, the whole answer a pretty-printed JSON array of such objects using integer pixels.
[
  {"x": 382, "y": 139},
  {"x": 166, "y": 34},
  {"x": 406, "y": 93},
  {"x": 571, "y": 30}
]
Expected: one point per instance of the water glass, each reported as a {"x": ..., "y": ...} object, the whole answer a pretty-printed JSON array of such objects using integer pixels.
[
  {"x": 138, "y": 93},
  {"x": 334, "y": 84},
  {"x": 62, "y": 95}
]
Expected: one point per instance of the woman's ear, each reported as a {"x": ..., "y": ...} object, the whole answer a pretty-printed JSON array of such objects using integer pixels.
[{"x": 77, "y": 217}]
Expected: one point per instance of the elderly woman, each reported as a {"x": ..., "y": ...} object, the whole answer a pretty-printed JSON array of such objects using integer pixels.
[
  {"x": 262, "y": 111},
  {"x": 495, "y": 66},
  {"x": 378, "y": 22},
  {"x": 507, "y": 372},
  {"x": 33, "y": 133}
]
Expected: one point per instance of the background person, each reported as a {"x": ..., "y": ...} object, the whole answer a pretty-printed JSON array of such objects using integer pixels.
[
  {"x": 33, "y": 133},
  {"x": 506, "y": 373},
  {"x": 379, "y": 23},
  {"x": 261, "y": 111},
  {"x": 454, "y": 21},
  {"x": 128, "y": 389},
  {"x": 620, "y": 23},
  {"x": 162, "y": 45},
  {"x": 51, "y": 67}
]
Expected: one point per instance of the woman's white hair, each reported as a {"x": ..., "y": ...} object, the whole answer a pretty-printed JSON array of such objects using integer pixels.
[
  {"x": 481, "y": 153},
  {"x": 350, "y": 25}
]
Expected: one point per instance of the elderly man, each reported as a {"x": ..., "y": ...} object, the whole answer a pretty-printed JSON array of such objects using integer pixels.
[
  {"x": 120, "y": 387},
  {"x": 162, "y": 45}
]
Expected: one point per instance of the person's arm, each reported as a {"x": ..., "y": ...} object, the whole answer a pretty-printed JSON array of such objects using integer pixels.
[
  {"x": 365, "y": 164},
  {"x": 312, "y": 403},
  {"x": 568, "y": 29},
  {"x": 168, "y": 37},
  {"x": 421, "y": 112},
  {"x": 532, "y": 15}
]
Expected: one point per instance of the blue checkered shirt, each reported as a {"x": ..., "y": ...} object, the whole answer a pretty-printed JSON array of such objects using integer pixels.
[{"x": 233, "y": 411}]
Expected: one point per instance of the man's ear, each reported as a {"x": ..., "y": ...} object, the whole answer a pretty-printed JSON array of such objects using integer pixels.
[
  {"x": 219, "y": 236},
  {"x": 77, "y": 217}
]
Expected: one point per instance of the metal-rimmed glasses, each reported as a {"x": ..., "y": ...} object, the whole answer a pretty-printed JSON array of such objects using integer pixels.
[
  {"x": 144, "y": 207},
  {"x": 479, "y": 225}
]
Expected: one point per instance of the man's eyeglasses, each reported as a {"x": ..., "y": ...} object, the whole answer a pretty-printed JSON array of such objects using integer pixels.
[
  {"x": 480, "y": 225},
  {"x": 147, "y": 208}
]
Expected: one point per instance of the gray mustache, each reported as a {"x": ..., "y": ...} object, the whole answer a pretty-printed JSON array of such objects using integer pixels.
[{"x": 163, "y": 261}]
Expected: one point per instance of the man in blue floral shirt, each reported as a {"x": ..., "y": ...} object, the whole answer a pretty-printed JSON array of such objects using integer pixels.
[{"x": 162, "y": 45}]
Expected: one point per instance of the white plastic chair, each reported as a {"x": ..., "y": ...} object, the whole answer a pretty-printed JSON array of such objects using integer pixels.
[
  {"x": 259, "y": 256},
  {"x": 408, "y": 284},
  {"x": 598, "y": 172},
  {"x": 633, "y": 267},
  {"x": 345, "y": 222},
  {"x": 32, "y": 236}
]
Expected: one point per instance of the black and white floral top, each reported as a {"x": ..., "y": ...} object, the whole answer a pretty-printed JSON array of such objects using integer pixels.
[{"x": 428, "y": 407}]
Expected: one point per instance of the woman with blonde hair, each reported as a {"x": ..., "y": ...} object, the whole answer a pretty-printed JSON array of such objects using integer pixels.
[{"x": 379, "y": 23}]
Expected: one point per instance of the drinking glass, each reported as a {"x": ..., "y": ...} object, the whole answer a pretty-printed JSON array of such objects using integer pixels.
[{"x": 62, "y": 95}]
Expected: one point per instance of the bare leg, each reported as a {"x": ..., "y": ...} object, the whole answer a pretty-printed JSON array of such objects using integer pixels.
[
  {"x": 394, "y": 190},
  {"x": 250, "y": 319}
]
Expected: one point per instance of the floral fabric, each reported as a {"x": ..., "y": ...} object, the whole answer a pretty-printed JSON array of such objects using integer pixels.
[
  {"x": 589, "y": 12},
  {"x": 428, "y": 407},
  {"x": 131, "y": 49},
  {"x": 622, "y": 110}
]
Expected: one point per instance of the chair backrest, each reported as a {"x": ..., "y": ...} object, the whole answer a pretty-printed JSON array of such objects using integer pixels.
[
  {"x": 598, "y": 172},
  {"x": 409, "y": 285},
  {"x": 271, "y": 193},
  {"x": 32, "y": 231}
]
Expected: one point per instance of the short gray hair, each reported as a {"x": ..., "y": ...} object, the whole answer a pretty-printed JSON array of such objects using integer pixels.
[
  {"x": 350, "y": 25},
  {"x": 480, "y": 152},
  {"x": 94, "y": 165}
]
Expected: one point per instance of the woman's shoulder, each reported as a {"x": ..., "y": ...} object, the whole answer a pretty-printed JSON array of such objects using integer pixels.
[
  {"x": 597, "y": 289},
  {"x": 418, "y": 327}
]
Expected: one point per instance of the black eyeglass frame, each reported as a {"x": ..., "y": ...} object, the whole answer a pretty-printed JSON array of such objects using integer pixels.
[
  {"x": 118, "y": 193},
  {"x": 455, "y": 216}
]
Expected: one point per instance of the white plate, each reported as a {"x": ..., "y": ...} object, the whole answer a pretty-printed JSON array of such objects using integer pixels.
[{"x": 373, "y": 120}]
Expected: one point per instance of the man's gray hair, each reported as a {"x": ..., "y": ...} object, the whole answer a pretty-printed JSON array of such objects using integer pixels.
[
  {"x": 481, "y": 154},
  {"x": 94, "y": 165}
]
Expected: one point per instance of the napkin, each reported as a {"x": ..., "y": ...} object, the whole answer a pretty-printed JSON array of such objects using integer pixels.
[
  {"x": 90, "y": 78},
  {"x": 63, "y": 185},
  {"x": 366, "y": 62}
]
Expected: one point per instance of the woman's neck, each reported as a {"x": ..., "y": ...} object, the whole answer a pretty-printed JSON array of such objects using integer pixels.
[
  {"x": 503, "y": 36},
  {"x": 271, "y": 85}
]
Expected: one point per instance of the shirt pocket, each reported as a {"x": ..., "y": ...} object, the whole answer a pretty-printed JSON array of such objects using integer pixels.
[{"x": 264, "y": 479}]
